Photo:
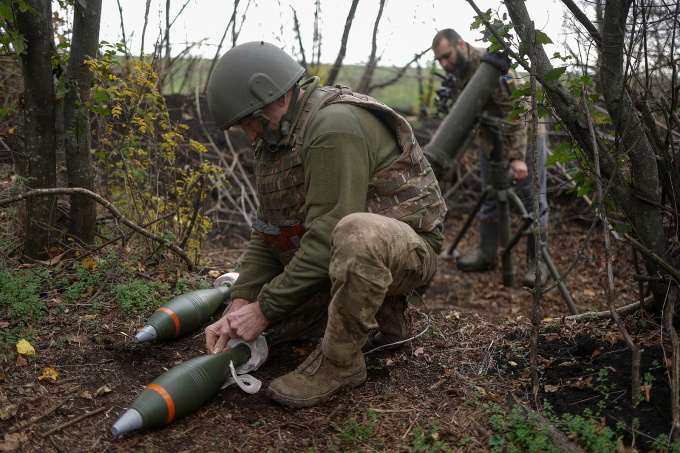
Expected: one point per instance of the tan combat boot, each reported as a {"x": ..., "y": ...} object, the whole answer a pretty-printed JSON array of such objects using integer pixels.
[
  {"x": 394, "y": 323},
  {"x": 317, "y": 379}
]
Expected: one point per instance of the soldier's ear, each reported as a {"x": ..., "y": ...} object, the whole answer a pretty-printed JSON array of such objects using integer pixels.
[{"x": 461, "y": 45}]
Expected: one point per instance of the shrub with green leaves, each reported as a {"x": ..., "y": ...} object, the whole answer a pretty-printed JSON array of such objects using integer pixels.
[
  {"x": 353, "y": 435},
  {"x": 21, "y": 306},
  {"x": 85, "y": 280},
  {"x": 149, "y": 168},
  {"x": 427, "y": 441},
  {"x": 517, "y": 432},
  {"x": 139, "y": 296}
]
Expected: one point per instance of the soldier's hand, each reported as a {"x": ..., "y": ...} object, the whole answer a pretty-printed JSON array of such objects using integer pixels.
[
  {"x": 218, "y": 334},
  {"x": 248, "y": 322},
  {"x": 519, "y": 169}
]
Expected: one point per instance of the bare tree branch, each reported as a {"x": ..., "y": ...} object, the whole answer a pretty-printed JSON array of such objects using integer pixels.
[
  {"x": 107, "y": 205},
  {"x": 343, "y": 45},
  {"x": 583, "y": 19}
]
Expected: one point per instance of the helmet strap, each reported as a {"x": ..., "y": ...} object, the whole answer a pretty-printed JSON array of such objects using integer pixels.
[
  {"x": 285, "y": 121},
  {"x": 272, "y": 139}
]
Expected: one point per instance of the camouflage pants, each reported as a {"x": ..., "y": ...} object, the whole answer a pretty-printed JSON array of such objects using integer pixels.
[
  {"x": 372, "y": 256},
  {"x": 306, "y": 322}
]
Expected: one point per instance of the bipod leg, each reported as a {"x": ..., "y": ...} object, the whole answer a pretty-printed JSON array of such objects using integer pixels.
[
  {"x": 526, "y": 219},
  {"x": 520, "y": 232},
  {"x": 556, "y": 275},
  {"x": 500, "y": 175},
  {"x": 448, "y": 254},
  {"x": 504, "y": 237}
]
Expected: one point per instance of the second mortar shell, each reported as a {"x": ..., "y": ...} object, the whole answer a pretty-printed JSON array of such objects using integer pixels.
[{"x": 183, "y": 314}]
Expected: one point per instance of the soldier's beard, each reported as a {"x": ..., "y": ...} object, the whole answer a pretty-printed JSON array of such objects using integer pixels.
[{"x": 461, "y": 65}]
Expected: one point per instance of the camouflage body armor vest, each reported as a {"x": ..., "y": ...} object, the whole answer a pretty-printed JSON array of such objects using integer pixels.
[{"x": 406, "y": 190}]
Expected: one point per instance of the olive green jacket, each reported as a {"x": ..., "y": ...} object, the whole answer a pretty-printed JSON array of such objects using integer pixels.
[{"x": 344, "y": 145}]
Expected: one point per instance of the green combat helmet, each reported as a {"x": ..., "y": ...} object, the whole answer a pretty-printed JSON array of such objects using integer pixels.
[{"x": 248, "y": 77}]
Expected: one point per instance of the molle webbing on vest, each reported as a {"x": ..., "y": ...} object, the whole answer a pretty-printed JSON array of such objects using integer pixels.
[
  {"x": 280, "y": 174},
  {"x": 280, "y": 181},
  {"x": 406, "y": 189}
]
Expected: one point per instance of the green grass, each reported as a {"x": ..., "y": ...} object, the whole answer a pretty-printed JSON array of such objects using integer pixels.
[{"x": 31, "y": 298}]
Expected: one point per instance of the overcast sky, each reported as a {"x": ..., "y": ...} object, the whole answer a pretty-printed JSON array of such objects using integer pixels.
[{"x": 406, "y": 27}]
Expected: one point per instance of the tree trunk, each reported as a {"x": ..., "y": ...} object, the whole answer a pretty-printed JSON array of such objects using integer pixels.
[
  {"x": 39, "y": 133},
  {"x": 79, "y": 167},
  {"x": 640, "y": 200},
  {"x": 367, "y": 76},
  {"x": 645, "y": 214},
  {"x": 343, "y": 45}
]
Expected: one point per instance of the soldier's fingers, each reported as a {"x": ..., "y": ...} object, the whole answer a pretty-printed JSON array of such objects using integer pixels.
[
  {"x": 210, "y": 339},
  {"x": 219, "y": 345}
]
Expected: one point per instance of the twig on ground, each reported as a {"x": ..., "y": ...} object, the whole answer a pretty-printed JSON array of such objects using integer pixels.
[
  {"x": 40, "y": 417},
  {"x": 74, "y": 421},
  {"x": 107, "y": 205},
  {"x": 622, "y": 311}
]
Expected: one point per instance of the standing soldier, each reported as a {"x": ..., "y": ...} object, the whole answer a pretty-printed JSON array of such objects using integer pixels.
[
  {"x": 460, "y": 61},
  {"x": 348, "y": 206}
]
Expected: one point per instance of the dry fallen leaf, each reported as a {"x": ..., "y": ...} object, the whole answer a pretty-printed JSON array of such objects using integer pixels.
[
  {"x": 8, "y": 411},
  {"x": 300, "y": 351},
  {"x": 453, "y": 315},
  {"x": 13, "y": 441},
  {"x": 89, "y": 263},
  {"x": 21, "y": 360},
  {"x": 25, "y": 348},
  {"x": 49, "y": 374},
  {"x": 419, "y": 351},
  {"x": 646, "y": 391},
  {"x": 102, "y": 390}
]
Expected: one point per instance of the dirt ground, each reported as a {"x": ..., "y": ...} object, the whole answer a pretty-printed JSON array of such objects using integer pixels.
[
  {"x": 472, "y": 348},
  {"x": 426, "y": 396}
]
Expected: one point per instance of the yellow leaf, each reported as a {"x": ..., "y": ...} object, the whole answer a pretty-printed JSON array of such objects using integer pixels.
[
  {"x": 25, "y": 348},
  {"x": 89, "y": 264},
  {"x": 49, "y": 373}
]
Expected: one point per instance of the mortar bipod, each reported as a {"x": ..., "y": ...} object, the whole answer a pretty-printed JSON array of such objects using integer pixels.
[{"x": 501, "y": 189}]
